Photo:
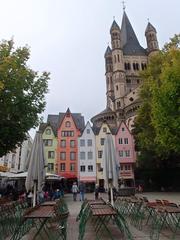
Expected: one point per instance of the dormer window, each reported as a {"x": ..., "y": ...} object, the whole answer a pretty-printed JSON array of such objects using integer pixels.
[
  {"x": 48, "y": 131},
  {"x": 68, "y": 124}
]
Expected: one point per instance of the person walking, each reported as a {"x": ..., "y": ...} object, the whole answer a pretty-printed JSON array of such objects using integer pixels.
[
  {"x": 81, "y": 191},
  {"x": 96, "y": 192},
  {"x": 74, "y": 191}
]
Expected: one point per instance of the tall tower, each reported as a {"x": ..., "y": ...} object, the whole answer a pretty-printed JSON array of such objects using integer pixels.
[
  {"x": 151, "y": 39},
  {"x": 118, "y": 66},
  {"x": 109, "y": 75}
]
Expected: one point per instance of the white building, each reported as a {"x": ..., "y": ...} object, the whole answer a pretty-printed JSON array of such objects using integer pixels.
[
  {"x": 15, "y": 161},
  {"x": 87, "y": 157}
]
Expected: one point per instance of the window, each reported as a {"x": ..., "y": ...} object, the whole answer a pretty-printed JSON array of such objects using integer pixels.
[
  {"x": 82, "y": 156},
  {"x": 89, "y": 142},
  {"x": 48, "y": 131},
  {"x": 63, "y": 143},
  {"x": 48, "y": 142},
  {"x": 62, "y": 167},
  {"x": 118, "y": 104},
  {"x": 90, "y": 155},
  {"x": 121, "y": 153},
  {"x": 125, "y": 140},
  {"x": 88, "y": 131},
  {"x": 67, "y": 124},
  {"x": 138, "y": 81},
  {"x": 115, "y": 58},
  {"x": 128, "y": 80},
  {"x": 123, "y": 129},
  {"x": 72, "y": 143},
  {"x": 82, "y": 142},
  {"x": 82, "y": 168},
  {"x": 120, "y": 141},
  {"x": 50, "y": 167},
  {"x": 90, "y": 168},
  {"x": 100, "y": 154},
  {"x": 102, "y": 141},
  {"x": 104, "y": 129},
  {"x": 116, "y": 87},
  {"x": 72, "y": 167},
  {"x": 72, "y": 155},
  {"x": 50, "y": 154},
  {"x": 118, "y": 58},
  {"x": 127, "y": 167},
  {"x": 127, "y": 153},
  {"x": 62, "y": 156},
  {"x": 67, "y": 133},
  {"x": 13, "y": 161}
]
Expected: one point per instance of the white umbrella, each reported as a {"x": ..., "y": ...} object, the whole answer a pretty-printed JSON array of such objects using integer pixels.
[
  {"x": 36, "y": 167},
  {"x": 110, "y": 166}
]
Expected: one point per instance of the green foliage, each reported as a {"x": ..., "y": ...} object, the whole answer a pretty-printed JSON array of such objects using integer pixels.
[
  {"x": 157, "y": 126},
  {"x": 22, "y": 97}
]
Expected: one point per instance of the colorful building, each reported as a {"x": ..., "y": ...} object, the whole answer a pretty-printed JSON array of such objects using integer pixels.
[
  {"x": 50, "y": 144},
  {"x": 126, "y": 156},
  {"x": 69, "y": 129},
  {"x": 87, "y": 157}
]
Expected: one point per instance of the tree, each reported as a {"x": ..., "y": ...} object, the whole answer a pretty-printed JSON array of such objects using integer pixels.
[
  {"x": 22, "y": 96},
  {"x": 157, "y": 126}
]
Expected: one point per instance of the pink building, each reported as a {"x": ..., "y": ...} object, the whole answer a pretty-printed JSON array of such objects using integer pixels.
[{"x": 126, "y": 155}]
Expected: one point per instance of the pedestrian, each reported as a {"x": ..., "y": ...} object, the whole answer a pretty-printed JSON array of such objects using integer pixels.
[
  {"x": 74, "y": 190},
  {"x": 96, "y": 192},
  {"x": 81, "y": 191}
]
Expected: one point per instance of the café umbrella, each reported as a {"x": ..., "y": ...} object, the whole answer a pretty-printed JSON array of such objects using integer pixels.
[
  {"x": 110, "y": 166},
  {"x": 36, "y": 164}
]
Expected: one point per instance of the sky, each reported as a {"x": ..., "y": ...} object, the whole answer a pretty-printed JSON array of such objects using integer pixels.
[{"x": 68, "y": 38}]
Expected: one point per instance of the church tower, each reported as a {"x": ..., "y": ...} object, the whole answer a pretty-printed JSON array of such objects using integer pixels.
[
  {"x": 118, "y": 67},
  {"x": 109, "y": 74},
  {"x": 151, "y": 39}
]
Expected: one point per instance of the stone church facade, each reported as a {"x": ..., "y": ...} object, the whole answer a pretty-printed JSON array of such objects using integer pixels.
[{"x": 123, "y": 62}]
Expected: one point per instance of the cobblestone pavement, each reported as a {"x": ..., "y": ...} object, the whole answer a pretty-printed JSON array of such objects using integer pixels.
[{"x": 74, "y": 208}]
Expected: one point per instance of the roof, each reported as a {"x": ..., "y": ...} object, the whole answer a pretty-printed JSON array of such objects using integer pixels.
[
  {"x": 55, "y": 121},
  {"x": 150, "y": 28},
  {"x": 108, "y": 51},
  {"x": 114, "y": 26},
  {"x": 129, "y": 40}
]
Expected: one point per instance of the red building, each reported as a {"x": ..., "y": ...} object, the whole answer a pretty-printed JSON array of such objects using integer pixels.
[{"x": 69, "y": 129}]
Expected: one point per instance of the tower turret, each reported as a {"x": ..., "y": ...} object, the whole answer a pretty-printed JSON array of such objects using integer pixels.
[
  {"x": 118, "y": 66},
  {"x": 109, "y": 73},
  {"x": 151, "y": 38}
]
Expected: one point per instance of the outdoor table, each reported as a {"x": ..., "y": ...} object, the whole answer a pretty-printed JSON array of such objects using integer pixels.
[
  {"x": 40, "y": 215},
  {"x": 102, "y": 215},
  {"x": 96, "y": 202},
  {"x": 49, "y": 203},
  {"x": 164, "y": 215}
]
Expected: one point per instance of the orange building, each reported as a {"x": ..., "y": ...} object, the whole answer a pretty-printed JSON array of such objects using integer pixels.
[{"x": 69, "y": 129}]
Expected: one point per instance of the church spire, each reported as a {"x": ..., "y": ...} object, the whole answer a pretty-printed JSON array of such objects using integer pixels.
[{"x": 130, "y": 42}]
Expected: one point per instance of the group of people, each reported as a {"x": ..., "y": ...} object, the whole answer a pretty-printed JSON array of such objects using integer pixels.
[{"x": 81, "y": 190}]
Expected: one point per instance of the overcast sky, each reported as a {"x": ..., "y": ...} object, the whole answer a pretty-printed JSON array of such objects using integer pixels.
[{"x": 68, "y": 38}]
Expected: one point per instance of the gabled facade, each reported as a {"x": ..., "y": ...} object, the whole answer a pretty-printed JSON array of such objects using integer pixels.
[
  {"x": 87, "y": 157},
  {"x": 67, "y": 147},
  {"x": 50, "y": 145},
  {"x": 126, "y": 156},
  {"x": 100, "y": 134}
]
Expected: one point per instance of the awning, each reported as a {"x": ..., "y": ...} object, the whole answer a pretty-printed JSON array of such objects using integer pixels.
[{"x": 68, "y": 175}]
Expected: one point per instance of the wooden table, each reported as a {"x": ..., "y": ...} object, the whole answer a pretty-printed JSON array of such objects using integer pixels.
[
  {"x": 49, "y": 203},
  {"x": 38, "y": 216}
]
